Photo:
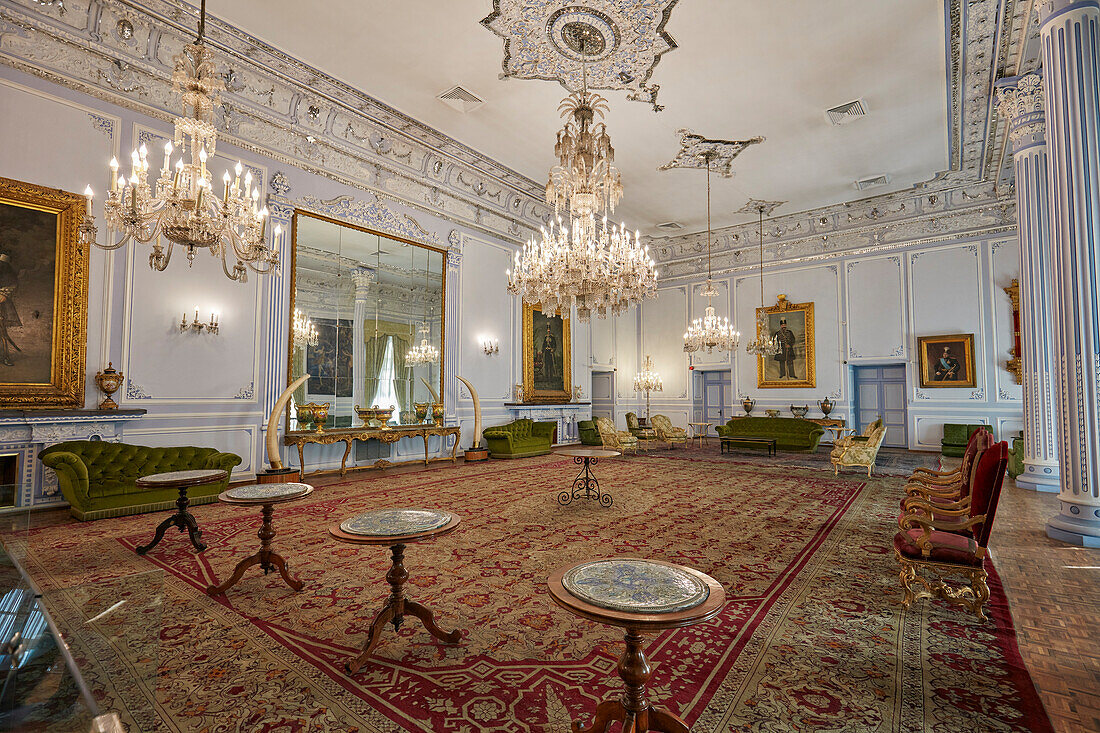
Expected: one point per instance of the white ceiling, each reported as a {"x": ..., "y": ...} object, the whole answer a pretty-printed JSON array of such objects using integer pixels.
[{"x": 742, "y": 68}]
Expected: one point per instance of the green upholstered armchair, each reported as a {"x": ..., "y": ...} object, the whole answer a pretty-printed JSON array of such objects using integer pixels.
[
  {"x": 1016, "y": 457},
  {"x": 99, "y": 479},
  {"x": 632, "y": 424},
  {"x": 956, "y": 437},
  {"x": 613, "y": 439},
  {"x": 590, "y": 434},
  {"x": 519, "y": 439},
  {"x": 667, "y": 432}
]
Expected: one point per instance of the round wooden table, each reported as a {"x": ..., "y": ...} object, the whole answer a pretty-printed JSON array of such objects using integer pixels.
[
  {"x": 637, "y": 595},
  {"x": 699, "y": 430},
  {"x": 267, "y": 496},
  {"x": 585, "y": 484},
  {"x": 182, "y": 480},
  {"x": 396, "y": 528}
]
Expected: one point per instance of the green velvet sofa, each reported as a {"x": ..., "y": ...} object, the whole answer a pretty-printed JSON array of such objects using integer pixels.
[
  {"x": 790, "y": 434},
  {"x": 956, "y": 436},
  {"x": 98, "y": 479},
  {"x": 590, "y": 434},
  {"x": 1016, "y": 457},
  {"x": 519, "y": 439}
]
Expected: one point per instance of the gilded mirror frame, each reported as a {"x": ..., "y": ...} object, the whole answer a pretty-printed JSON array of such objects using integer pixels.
[{"x": 293, "y": 273}]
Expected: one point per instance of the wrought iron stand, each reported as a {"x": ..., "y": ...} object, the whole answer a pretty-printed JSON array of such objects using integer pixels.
[{"x": 585, "y": 486}]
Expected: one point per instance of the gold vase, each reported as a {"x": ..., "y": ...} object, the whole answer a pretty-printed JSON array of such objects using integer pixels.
[{"x": 108, "y": 381}]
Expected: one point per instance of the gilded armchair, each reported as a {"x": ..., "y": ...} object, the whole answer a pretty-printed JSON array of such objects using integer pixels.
[
  {"x": 859, "y": 451},
  {"x": 937, "y": 541},
  {"x": 620, "y": 440},
  {"x": 945, "y": 486},
  {"x": 667, "y": 432}
]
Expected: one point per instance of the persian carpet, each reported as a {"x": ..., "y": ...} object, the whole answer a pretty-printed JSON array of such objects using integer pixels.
[{"x": 812, "y": 637}]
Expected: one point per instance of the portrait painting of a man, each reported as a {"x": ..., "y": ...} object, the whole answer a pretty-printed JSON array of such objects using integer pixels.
[
  {"x": 547, "y": 360},
  {"x": 788, "y": 328},
  {"x": 27, "y": 267},
  {"x": 946, "y": 361}
]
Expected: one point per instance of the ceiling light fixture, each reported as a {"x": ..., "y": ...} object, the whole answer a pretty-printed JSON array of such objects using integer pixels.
[
  {"x": 182, "y": 206},
  {"x": 763, "y": 345},
  {"x": 593, "y": 267},
  {"x": 710, "y": 332}
]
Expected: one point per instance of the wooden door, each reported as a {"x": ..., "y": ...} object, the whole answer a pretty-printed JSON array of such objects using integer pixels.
[{"x": 880, "y": 392}]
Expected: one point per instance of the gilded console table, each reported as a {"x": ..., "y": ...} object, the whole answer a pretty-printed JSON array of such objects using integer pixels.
[{"x": 386, "y": 435}]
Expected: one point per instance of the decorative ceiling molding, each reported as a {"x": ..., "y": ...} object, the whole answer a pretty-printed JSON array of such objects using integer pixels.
[
  {"x": 696, "y": 149},
  {"x": 625, "y": 41},
  {"x": 274, "y": 105},
  {"x": 755, "y": 206}
]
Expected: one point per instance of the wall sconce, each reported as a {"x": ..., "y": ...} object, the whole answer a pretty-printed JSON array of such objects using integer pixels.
[
  {"x": 197, "y": 326},
  {"x": 489, "y": 346}
]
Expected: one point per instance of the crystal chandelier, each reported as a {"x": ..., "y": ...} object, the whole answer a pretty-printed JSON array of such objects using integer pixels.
[
  {"x": 648, "y": 381},
  {"x": 763, "y": 345},
  {"x": 422, "y": 353},
  {"x": 588, "y": 264},
  {"x": 302, "y": 331},
  {"x": 181, "y": 205},
  {"x": 710, "y": 332}
]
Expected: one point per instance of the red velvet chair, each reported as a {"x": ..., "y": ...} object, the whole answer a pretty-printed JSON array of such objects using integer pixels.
[
  {"x": 980, "y": 439},
  {"x": 941, "y": 542},
  {"x": 959, "y": 488}
]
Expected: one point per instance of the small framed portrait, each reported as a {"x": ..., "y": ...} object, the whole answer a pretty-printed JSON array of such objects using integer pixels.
[
  {"x": 946, "y": 361},
  {"x": 43, "y": 297}
]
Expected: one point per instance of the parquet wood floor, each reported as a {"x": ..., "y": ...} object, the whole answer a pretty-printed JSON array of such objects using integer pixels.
[{"x": 1054, "y": 594}]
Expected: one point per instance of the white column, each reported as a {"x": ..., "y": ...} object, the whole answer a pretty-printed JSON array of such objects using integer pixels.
[
  {"x": 1068, "y": 31},
  {"x": 363, "y": 279},
  {"x": 1020, "y": 102}
]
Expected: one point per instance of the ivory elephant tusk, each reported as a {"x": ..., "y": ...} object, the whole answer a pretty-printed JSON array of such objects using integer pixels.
[
  {"x": 435, "y": 395},
  {"x": 477, "y": 411},
  {"x": 273, "y": 456}
]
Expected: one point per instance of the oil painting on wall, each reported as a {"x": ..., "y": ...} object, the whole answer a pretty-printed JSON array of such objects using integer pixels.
[
  {"x": 946, "y": 361},
  {"x": 547, "y": 357},
  {"x": 330, "y": 361},
  {"x": 43, "y": 297},
  {"x": 790, "y": 326}
]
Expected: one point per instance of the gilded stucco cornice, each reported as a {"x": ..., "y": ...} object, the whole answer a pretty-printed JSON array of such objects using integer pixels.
[{"x": 274, "y": 106}]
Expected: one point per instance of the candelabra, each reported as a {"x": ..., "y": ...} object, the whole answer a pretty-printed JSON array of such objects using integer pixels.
[
  {"x": 422, "y": 353},
  {"x": 302, "y": 331},
  {"x": 648, "y": 381},
  {"x": 197, "y": 326},
  {"x": 764, "y": 345},
  {"x": 180, "y": 206}
]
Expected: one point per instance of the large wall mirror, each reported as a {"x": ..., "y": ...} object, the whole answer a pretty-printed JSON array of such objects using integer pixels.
[{"x": 366, "y": 314}]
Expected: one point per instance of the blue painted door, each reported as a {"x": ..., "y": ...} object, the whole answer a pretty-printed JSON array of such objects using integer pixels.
[
  {"x": 712, "y": 396},
  {"x": 880, "y": 392}
]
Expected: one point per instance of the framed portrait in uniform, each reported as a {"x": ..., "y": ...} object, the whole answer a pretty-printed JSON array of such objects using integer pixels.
[
  {"x": 547, "y": 357},
  {"x": 43, "y": 297},
  {"x": 946, "y": 361},
  {"x": 790, "y": 327}
]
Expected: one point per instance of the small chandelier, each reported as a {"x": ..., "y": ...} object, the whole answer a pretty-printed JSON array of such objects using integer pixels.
[
  {"x": 648, "y": 381},
  {"x": 591, "y": 266},
  {"x": 181, "y": 205},
  {"x": 763, "y": 345},
  {"x": 422, "y": 353},
  {"x": 302, "y": 331},
  {"x": 710, "y": 331}
]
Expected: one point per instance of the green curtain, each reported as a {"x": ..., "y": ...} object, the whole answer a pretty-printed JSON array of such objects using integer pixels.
[
  {"x": 375, "y": 335},
  {"x": 400, "y": 380},
  {"x": 298, "y": 369}
]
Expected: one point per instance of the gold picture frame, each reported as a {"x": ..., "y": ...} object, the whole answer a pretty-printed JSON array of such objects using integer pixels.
[
  {"x": 43, "y": 297},
  {"x": 946, "y": 361},
  {"x": 793, "y": 325},
  {"x": 538, "y": 386}
]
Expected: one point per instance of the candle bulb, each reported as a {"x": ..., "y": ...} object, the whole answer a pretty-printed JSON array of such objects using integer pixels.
[
  {"x": 278, "y": 232},
  {"x": 179, "y": 172},
  {"x": 114, "y": 173},
  {"x": 196, "y": 314},
  {"x": 133, "y": 192},
  {"x": 212, "y": 318},
  {"x": 167, "y": 157},
  {"x": 202, "y": 161},
  {"x": 248, "y": 185},
  {"x": 237, "y": 180},
  {"x": 225, "y": 180},
  {"x": 88, "y": 198},
  {"x": 198, "y": 195}
]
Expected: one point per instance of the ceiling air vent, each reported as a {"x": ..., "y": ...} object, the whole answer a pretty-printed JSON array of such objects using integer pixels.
[
  {"x": 846, "y": 112},
  {"x": 670, "y": 226},
  {"x": 872, "y": 182},
  {"x": 460, "y": 100}
]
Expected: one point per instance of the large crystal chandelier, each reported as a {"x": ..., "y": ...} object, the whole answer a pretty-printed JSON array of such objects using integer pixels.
[
  {"x": 584, "y": 262},
  {"x": 764, "y": 344},
  {"x": 648, "y": 381},
  {"x": 181, "y": 205},
  {"x": 422, "y": 353},
  {"x": 710, "y": 332},
  {"x": 302, "y": 331}
]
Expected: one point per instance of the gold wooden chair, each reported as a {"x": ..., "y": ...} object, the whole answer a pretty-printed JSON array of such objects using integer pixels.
[
  {"x": 859, "y": 451},
  {"x": 620, "y": 440},
  {"x": 667, "y": 432}
]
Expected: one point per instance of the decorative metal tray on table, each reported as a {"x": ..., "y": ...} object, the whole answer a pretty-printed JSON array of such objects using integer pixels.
[
  {"x": 268, "y": 491},
  {"x": 635, "y": 586},
  {"x": 387, "y": 522}
]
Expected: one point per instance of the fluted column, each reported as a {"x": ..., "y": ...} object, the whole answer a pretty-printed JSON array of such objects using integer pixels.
[
  {"x": 1020, "y": 102},
  {"x": 1068, "y": 31},
  {"x": 363, "y": 279}
]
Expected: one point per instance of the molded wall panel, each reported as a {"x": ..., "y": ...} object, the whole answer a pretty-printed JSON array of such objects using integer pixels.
[
  {"x": 876, "y": 308},
  {"x": 1004, "y": 267},
  {"x": 662, "y": 324}
]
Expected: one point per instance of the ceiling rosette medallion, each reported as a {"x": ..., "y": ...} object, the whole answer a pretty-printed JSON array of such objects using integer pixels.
[
  {"x": 623, "y": 42},
  {"x": 754, "y": 206},
  {"x": 696, "y": 150}
]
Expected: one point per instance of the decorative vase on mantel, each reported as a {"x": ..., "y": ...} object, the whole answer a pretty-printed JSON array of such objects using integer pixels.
[
  {"x": 748, "y": 403},
  {"x": 108, "y": 381},
  {"x": 826, "y": 406}
]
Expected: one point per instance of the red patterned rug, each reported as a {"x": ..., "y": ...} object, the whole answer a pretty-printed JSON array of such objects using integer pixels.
[{"x": 812, "y": 636}]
